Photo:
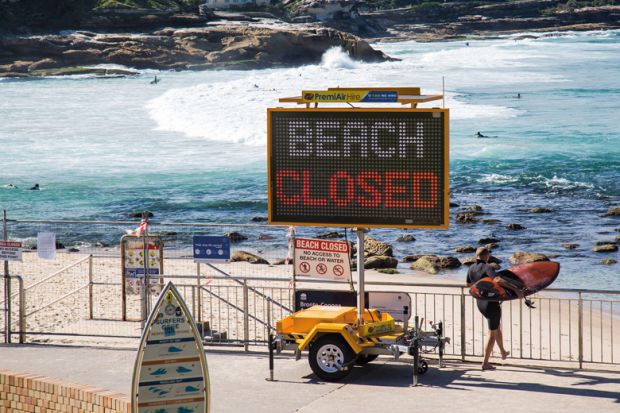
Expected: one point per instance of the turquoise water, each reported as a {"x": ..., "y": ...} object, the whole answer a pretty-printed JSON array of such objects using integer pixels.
[{"x": 192, "y": 148}]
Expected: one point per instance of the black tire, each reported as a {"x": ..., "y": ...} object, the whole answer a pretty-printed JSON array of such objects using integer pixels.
[
  {"x": 327, "y": 356},
  {"x": 422, "y": 367},
  {"x": 364, "y": 359}
]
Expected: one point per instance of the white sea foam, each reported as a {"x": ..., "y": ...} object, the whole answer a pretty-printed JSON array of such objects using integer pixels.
[
  {"x": 337, "y": 58},
  {"x": 497, "y": 179},
  {"x": 234, "y": 110}
]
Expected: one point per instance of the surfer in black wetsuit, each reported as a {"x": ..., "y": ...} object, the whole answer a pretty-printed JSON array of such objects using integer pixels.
[{"x": 491, "y": 310}]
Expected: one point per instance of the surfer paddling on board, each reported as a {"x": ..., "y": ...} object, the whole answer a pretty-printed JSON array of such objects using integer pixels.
[{"x": 491, "y": 310}]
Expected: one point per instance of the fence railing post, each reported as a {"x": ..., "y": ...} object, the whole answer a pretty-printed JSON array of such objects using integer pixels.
[
  {"x": 246, "y": 317},
  {"x": 22, "y": 310},
  {"x": 199, "y": 291},
  {"x": 580, "y": 329},
  {"x": 521, "y": 332},
  {"x": 463, "y": 341},
  {"x": 90, "y": 287}
]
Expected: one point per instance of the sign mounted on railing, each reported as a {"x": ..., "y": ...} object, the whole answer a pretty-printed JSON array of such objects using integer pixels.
[
  {"x": 358, "y": 167},
  {"x": 208, "y": 248},
  {"x": 322, "y": 259},
  {"x": 170, "y": 373},
  {"x": 10, "y": 251}
]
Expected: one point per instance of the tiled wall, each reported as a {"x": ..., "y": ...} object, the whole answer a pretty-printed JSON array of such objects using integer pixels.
[{"x": 21, "y": 392}]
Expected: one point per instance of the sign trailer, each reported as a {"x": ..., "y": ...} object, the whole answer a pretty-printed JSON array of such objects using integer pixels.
[{"x": 358, "y": 167}]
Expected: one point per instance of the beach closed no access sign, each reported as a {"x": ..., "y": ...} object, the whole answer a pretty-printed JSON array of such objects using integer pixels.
[
  {"x": 322, "y": 259},
  {"x": 10, "y": 251}
]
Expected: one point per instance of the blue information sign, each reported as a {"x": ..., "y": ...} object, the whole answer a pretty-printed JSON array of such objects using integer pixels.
[{"x": 209, "y": 248}]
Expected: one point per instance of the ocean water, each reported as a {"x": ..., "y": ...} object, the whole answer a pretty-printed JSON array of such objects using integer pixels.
[{"x": 192, "y": 148}]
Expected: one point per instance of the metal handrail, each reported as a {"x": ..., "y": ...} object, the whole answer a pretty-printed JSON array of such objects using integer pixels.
[{"x": 163, "y": 224}]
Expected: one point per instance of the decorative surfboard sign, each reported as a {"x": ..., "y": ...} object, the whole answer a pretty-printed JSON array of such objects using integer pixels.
[{"x": 170, "y": 374}]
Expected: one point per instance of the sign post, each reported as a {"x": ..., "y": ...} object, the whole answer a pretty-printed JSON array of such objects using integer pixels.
[
  {"x": 7, "y": 287},
  {"x": 361, "y": 293}
]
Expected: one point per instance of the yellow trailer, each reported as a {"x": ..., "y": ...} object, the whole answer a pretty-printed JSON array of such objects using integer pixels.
[{"x": 336, "y": 340}]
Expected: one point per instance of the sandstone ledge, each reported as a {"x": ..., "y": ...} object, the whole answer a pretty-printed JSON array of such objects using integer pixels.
[{"x": 219, "y": 47}]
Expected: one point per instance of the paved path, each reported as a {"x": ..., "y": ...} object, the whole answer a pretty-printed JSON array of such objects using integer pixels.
[{"x": 238, "y": 383}]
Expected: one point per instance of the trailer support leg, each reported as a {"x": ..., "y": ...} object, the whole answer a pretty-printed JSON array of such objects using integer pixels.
[{"x": 271, "y": 344}]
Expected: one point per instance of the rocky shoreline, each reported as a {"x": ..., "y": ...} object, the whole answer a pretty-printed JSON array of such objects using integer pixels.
[
  {"x": 218, "y": 47},
  {"x": 255, "y": 40}
]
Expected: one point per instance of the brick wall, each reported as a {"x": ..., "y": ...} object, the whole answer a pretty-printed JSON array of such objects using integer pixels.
[{"x": 20, "y": 392}]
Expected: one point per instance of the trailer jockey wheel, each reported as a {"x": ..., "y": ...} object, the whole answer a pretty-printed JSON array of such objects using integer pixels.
[
  {"x": 422, "y": 367},
  {"x": 364, "y": 359},
  {"x": 331, "y": 357}
]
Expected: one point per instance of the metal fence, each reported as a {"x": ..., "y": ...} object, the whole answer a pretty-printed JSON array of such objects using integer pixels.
[{"x": 76, "y": 298}]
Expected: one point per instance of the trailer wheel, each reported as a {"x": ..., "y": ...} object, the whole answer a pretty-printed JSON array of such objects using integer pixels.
[
  {"x": 328, "y": 355},
  {"x": 364, "y": 359}
]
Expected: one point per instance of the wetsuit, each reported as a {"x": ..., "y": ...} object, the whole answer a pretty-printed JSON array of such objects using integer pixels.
[{"x": 491, "y": 310}]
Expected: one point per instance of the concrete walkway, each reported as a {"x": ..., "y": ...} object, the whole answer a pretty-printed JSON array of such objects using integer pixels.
[{"x": 238, "y": 383}]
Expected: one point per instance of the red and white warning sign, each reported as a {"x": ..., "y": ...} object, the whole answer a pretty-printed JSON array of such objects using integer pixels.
[
  {"x": 10, "y": 251},
  {"x": 322, "y": 259}
]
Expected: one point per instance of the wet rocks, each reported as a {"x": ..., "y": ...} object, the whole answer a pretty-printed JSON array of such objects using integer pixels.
[
  {"x": 139, "y": 214},
  {"x": 258, "y": 219},
  {"x": 606, "y": 248},
  {"x": 491, "y": 221},
  {"x": 539, "y": 210},
  {"x": 489, "y": 240},
  {"x": 432, "y": 264},
  {"x": 380, "y": 261},
  {"x": 466, "y": 218},
  {"x": 570, "y": 245},
  {"x": 608, "y": 261},
  {"x": 330, "y": 235},
  {"x": 515, "y": 227},
  {"x": 612, "y": 212},
  {"x": 474, "y": 208},
  {"x": 240, "y": 256},
  {"x": 405, "y": 238},
  {"x": 465, "y": 248},
  {"x": 236, "y": 236},
  {"x": 454, "y": 205},
  {"x": 522, "y": 257},
  {"x": 374, "y": 247}
]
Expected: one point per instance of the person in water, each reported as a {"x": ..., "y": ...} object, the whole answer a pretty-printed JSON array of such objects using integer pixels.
[
  {"x": 491, "y": 310},
  {"x": 480, "y": 135},
  {"x": 35, "y": 187}
]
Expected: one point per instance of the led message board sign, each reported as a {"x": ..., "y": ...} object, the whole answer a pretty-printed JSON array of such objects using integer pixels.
[{"x": 358, "y": 167}]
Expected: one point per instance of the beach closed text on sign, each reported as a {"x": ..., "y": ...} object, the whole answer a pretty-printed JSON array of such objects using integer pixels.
[
  {"x": 10, "y": 251},
  {"x": 322, "y": 259},
  {"x": 359, "y": 167}
]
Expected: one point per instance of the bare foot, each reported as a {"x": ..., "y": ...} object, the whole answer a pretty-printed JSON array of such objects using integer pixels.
[
  {"x": 505, "y": 354},
  {"x": 488, "y": 367}
]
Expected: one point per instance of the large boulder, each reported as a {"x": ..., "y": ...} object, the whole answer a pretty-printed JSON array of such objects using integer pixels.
[
  {"x": 239, "y": 256},
  {"x": 432, "y": 264},
  {"x": 374, "y": 247},
  {"x": 613, "y": 212},
  {"x": 570, "y": 245},
  {"x": 515, "y": 227},
  {"x": 608, "y": 261},
  {"x": 406, "y": 238},
  {"x": 522, "y": 257},
  {"x": 380, "y": 261},
  {"x": 606, "y": 248}
]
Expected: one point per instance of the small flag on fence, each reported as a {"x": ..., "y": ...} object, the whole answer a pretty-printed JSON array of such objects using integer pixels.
[{"x": 141, "y": 228}]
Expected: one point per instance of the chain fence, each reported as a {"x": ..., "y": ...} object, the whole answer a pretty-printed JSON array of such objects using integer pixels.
[{"x": 77, "y": 298}]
